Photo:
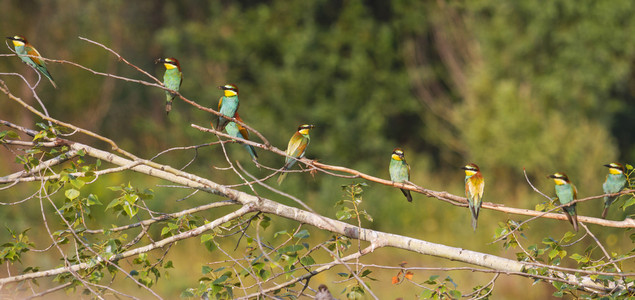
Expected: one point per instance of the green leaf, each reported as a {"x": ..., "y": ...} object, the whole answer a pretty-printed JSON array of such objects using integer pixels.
[
  {"x": 454, "y": 294},
  {"x": 628, "y": 203},
  {"x": 206, "y": 269},
  {"x": 282, "y": 232},
  {"x": 165, "y": 230},
  {"x": 210, "y": 245},
  {"x": 92, "y": 200},
  {"x": 77, "y": 183},
  {"x": 130, "y": 209},
  {"x": 427, "y": 294},
  {"x": 303, "y": 234},
  {"x": 265, "y": 222},
  {"x": 71, "y": 194},
  {"x": 343, "y": 214},
  {"x": 206, "y": 237},
  {"x": 354, "y": 295},
  {"x": 307, "y": 261},
  {"x": 9, "y": 134},
  {"x": 291, "y": 249},
  {"x": 553, "y": 253}
]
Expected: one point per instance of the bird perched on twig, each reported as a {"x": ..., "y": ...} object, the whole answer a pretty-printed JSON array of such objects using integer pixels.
[
  {"x": 400, "y": 170},
  {"x": 566, "y": 193},
  {"x": 296, "y": 148},
  {"x": 172, "y": 79},
  {"x": 615, "y": 182},
  {"x": 227, "y": 105},
  {"x": 474, "y": 186},
  {"x": 30, "y": 56}
]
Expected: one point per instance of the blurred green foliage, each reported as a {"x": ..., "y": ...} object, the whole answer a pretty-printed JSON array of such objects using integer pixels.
[{"x": 506, "y": 84}]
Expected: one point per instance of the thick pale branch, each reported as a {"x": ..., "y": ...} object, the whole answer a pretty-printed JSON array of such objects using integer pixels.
[{"x": 377, "y": 238}]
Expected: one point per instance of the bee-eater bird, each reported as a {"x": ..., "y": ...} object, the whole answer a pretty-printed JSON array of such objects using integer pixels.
[
  {"x": 237, "y": 130},
  {"x": 400, "y": 170},
  {"x": 172, "y": 79},
  {"x": 227, "y": 105},
  {"x": 296, "y": 148},
  {"x": 615, "y": 182},
  {"x": 474, "y": 186},
  {"x": 30, "y": 56},
  {"x": 566, "y": 193}
]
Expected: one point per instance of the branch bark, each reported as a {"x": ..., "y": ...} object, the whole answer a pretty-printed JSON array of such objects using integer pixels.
[{"x": 252, "y": 203}]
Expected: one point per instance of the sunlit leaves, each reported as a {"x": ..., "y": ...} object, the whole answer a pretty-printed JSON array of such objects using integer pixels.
[
  {"x": 13, "y": 250},
  {"x": 126, "y": 204}
]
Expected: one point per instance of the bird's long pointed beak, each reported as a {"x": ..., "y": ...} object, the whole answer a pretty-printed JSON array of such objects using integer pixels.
[
  {"x": 221, "y": 87},
  {"x": 10, "y": 38},
  {"x": 159, "y": 60},
  {"x": 607, "y": 165}
]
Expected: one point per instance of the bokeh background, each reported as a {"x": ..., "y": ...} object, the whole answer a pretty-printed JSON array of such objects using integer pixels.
[{"x": 546, "y": 86}]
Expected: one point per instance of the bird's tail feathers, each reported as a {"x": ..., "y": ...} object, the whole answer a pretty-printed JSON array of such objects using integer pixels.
[
  {"x": 474, "y": 211},
  {"x": 407, "y": 194},
  {"x": 573, "y": 219},
  {"x": 281, "y": 177},
  {"x": 605, "y": 212},
  {"x": 168, "y": 107},
  {"x": 252, "y": 152}
]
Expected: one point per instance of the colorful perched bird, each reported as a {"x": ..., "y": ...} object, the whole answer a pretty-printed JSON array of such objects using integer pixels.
[
  {"x": 566, "y": 193},
  {"x": 400, "y": 170},
  {"x": 172, "y": 79},
  {"x": 238, "y": 130},
  {"x": 30, "y": 56},
  {"x": 227, "y": 105},
  {"x": 615, "y": 182},
  {"x": 296, "y": 148},
  {"x": 474, "y": 186},
  {"x": 323, "y": 293}
]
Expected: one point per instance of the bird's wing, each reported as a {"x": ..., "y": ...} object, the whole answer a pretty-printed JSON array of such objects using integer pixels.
[
  {"x": 181, "y": 82},
  {"x": 575, "y": 192},
  {"x": 475, "y": 186},
  {"x": 241, "y": 128},
  {"x": 297, "y": 145},
  {"x": 34, "y": 55},
  {"x": 220, "y": 103},
  {"x": 481, "y": 187}
]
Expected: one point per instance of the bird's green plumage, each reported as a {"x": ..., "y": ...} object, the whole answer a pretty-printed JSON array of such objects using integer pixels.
[
  {"x": 613, "y": 184},
  {"x": 228, "y": 107},
  {"x": 172, "y": 80},
  {"x": 400, "y": 172},
  {"x": 296, "y": 149},
  {"x": 566, "y": 194},
  {"x": 233, "y": 129},
  {"x": 32, "y": 57}
]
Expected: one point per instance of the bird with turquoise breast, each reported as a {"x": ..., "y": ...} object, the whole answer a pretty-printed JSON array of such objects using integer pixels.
[
  {"x": 474, "y": 186},
  {"x": 400, "y": 170},
  {"x": 236, "y": 130},
  {"x": 227, "y": 105},
  {"x": 296, "y": 148},
  {"x": 28, "y": 54},
  {"x": 614, "y": 183},
  {"x": 566, "y": 193},
  {"x": 172, "y": 79}
]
